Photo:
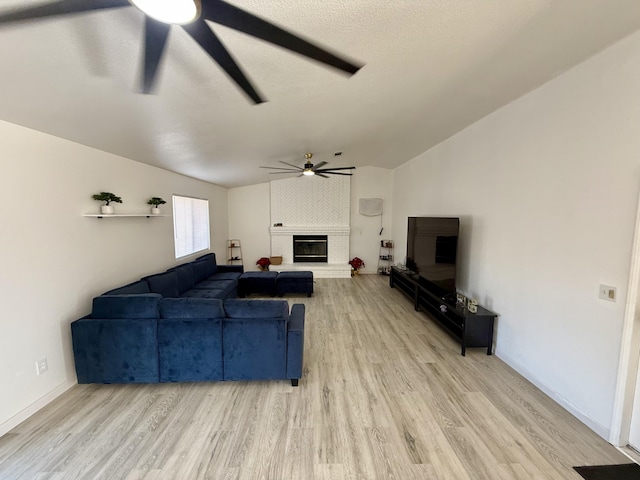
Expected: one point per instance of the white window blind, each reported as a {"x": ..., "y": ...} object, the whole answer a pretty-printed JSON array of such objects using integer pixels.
[{"x": 190, "y": 225}]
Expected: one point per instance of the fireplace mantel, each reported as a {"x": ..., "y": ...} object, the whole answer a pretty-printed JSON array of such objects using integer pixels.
[{"x": 342, "y": 230}]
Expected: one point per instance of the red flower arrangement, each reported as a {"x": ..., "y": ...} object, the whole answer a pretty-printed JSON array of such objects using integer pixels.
[
  {"x": 356, "y": 263},
  {"x": 263, "y": 263}
]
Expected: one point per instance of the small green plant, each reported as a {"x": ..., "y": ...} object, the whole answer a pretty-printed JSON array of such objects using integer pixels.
[
  {"x": 155, "y": 201},
  {"x": 107, "y": 197}
]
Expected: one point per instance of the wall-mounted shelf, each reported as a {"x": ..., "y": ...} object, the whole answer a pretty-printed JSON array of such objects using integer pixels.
[{"x": 113, "y": 215}]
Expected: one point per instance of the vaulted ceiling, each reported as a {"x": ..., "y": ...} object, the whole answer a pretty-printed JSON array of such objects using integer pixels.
[{"x": 432, "y": 67}]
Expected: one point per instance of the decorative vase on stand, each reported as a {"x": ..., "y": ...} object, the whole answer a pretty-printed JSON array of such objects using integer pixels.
[
  {"x": 106, "y": 209},
  {"x": 155, "y": 211}
]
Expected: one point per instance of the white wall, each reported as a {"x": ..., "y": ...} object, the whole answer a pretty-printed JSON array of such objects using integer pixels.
[
  {"x": 54, "y": 260},
  {"x": 546, "y": 189},
  {"x": 249, "y": 219},
  {"x": 370, "y": 182}
]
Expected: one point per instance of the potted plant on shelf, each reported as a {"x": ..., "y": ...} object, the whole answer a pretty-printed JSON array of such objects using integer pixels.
[
  {"x": 155, "y": 202},
  {"x": 263, "y": 263},
  {"x": 107, "y": 197},
  {"x": 356, "y": 264}
]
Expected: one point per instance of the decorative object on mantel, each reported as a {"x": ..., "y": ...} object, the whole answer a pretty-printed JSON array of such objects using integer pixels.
[
  {"x": 276, "y": 260},
  {"x": 263, "y": 263},
  {"x": 356, "y": 264},
  {"x": 154, "y": 202},
  {"x": 107, "y": 197}
]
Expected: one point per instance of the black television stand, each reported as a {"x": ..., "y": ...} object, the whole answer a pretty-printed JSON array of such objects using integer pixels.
[{"x": 472, "y": 329}]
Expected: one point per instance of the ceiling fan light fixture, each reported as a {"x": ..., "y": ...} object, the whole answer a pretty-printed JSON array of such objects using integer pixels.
[
  {"x": 172, "y": 11},
  {"x": 308, "y": 172}
]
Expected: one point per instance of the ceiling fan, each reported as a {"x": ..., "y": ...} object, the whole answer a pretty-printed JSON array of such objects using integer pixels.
[
  {"x": 191, "y": 15},
  {"x": 310, "y": 169}
]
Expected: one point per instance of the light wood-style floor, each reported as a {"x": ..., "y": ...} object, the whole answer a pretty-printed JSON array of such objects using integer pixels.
[{"x": 385, "y": 395}]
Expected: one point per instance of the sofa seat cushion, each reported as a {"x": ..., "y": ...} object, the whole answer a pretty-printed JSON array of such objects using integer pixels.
[
  {"x": 221, "y": 276},
  {"x": 227, "y": 285},
  {"x": 139, "y": 286},
  {"x": 218, "y": 293},
  {"x": 126, "y": 306},
  {"x": 166, "y": 284}
]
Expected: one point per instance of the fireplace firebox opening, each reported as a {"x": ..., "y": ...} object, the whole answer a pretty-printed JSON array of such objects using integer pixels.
[{"x": 310, "y": 248}]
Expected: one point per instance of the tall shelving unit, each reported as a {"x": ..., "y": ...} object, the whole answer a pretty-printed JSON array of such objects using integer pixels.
[
  {"x": 385, "y": 257},
  {"x": 234, "y": 252}
]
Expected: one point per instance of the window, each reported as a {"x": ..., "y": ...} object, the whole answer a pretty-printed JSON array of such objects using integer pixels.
[{"x": 190, "y": 225}]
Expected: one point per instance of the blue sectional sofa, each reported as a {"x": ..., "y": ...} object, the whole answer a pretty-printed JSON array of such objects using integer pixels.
[
  {"x": 144, "y": 338},
  {"x": 202, "y": 278},
  {"x": 186, "y": 325}
]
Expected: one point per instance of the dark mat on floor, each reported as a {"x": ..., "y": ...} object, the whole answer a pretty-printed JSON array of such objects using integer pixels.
[{"x": 629, "y": 471}]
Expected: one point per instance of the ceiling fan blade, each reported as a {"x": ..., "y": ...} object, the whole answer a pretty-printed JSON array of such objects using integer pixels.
[
  {"x": 317, "y": 166},
  {"x": 291, "y": 165},
  {"x": 155, "y": 38},
  {"x": 231, "y": 16},
  {"x": 61, "y": 7},
  {"x": 325, "y": 170},
  {"x": 208, "y": 40},
  {"x": 321, "y": 175},
  {"x": 328, "y": 172},
  {"x": 281, "y": 173},
  {"x": 285, "y": 169}
]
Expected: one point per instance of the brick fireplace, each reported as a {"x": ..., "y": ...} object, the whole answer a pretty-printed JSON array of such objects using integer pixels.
[{"x": 312, "y": 206}]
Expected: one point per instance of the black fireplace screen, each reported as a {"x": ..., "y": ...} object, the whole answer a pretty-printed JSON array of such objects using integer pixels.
[{"x": 309, "y": 248}]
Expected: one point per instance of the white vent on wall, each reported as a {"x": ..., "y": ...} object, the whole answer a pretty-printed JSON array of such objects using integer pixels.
[{"x": 370, "y": 207}]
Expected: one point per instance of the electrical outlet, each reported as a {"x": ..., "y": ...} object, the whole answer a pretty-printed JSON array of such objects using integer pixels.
[
  {"x": 607, "y": 292},
  {"x": 42, "y": 366}
]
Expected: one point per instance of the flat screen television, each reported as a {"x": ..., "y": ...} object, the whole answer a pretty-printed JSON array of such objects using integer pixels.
[{"x": 432, "y": 246}]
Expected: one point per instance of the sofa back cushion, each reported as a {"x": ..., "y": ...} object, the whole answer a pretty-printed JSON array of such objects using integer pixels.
[
  {"x": 200, "y": 271},
  {"x": 166, "y": 284},
  {"x": 126, "y": 306},
  {"x": 191, "y": 308},
  {"x": 254, "y": 339},
  {"x": 186, "y": 280},
  {"x": 133, "y": 288},
  {"x": 210, "y": 262},
  {"x": 242, "y": 308}
]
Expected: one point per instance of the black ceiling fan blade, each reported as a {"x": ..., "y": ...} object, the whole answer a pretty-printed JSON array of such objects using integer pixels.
[
  {"x": 155, "y": 39},
  {"x": 61, "y": 7},
  {"x": 233, "y": 17},
  {"x": 329, "y": 172},
  {"x": 325, "y": 170},
  {"x": 208, "y": 40},
  {"x": 321, "y": 175},
  {"x": 317, "y": 166},
  {"x": 284, "y": 169},
  {"x": 282, "y": 173},
  {"x": 291, "y": 165}
]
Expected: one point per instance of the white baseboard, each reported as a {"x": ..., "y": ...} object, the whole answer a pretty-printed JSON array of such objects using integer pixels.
[
  {"x": 601, "y": 430},
  {"x": 17, "y": 419}
]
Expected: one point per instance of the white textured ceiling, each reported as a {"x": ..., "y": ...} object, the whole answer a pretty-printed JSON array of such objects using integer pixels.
[{"x": 432, "y": 67}]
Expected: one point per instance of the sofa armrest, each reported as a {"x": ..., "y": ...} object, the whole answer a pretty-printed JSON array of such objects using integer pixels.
[
  {"x": 231, "y": 268},
  {"x": 295, "y": 343},
  {"x": 115, "y": 350}
]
